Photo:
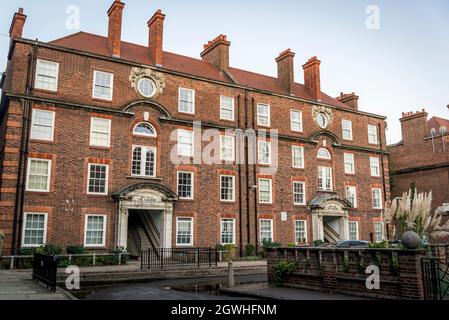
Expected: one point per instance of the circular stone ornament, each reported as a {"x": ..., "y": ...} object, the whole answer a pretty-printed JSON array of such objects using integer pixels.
[
  {"x": 146, "y": 87},
  {"x": 322, "y": 120},
  {"x": 411, "y": 240}
]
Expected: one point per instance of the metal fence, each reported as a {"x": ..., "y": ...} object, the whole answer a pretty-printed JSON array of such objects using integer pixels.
[
  {"x": 435, "y": 279},
  {"x": 179, "y": 257},
  {"x": 45, "y": 270}
]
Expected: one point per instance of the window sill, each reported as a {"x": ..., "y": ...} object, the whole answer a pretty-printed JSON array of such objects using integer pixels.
[
  {"x": 186, "y": 113},
  {"x": 227, "y": 202},
  {"x": 45, "y": 91},
  {"x": 100, "y": 148},
  {"x": 41, "y": 193},
  {"x": 102, "y": 100},
  {"x": 144, "y": 178},
  {"x": 42, "y": 141}
]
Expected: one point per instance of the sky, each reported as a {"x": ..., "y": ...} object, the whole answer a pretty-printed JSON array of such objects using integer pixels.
[{"x": 392, "y": 53}]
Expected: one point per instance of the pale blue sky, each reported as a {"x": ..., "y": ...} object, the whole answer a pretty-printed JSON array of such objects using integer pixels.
[{"x": 403, "y": 66}]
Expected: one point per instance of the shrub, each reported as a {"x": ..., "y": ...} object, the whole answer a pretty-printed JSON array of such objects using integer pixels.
[
  {"x": 380, "y": 245},
  {"x": 230, "y": 254},
  {"x": 250, "y": 250},
  {"x": 270, "y": 244},
  {"x": 25, "y": 252},
  {"x": 219, "y": 247},
  {"x": 282, "y": 270},
  {"x": 77, "y": 249},
  {"x": 292, "y": 245},
  {"x": 49, "y": 249},
  {"x": 318, "y": 243}
]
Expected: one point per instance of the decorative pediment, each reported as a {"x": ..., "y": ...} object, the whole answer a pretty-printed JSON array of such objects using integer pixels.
[
  {"x": 156, "y": 77},
  {"x": 316, "y": 110}
]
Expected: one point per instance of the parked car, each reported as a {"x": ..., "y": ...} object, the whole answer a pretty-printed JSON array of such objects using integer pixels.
[{"x": 352, "y": 244}]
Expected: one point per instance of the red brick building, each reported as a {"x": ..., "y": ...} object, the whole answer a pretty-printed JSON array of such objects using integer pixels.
[
  {"x": 421, "y": 158},
  {"x": 90, "y": 127}
]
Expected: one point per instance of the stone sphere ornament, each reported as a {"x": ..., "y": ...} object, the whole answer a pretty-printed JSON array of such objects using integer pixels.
[{"x": 411, "y": 240}]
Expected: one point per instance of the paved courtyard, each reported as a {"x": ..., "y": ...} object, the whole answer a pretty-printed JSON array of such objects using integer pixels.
[{"x": 18, "y": 285}]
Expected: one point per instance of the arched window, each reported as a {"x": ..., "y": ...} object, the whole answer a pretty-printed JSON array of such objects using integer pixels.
[
  {"x": 145, "y": 129},
  {"x": 323, "y": 153}
]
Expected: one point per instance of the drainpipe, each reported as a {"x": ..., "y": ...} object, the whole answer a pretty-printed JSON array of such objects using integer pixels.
[
  {"x": 256, "y": 222},
  {"x": 240, "y": 178},
  {"x": 382, "y": 163},
  {"x": 23, "y": 157},
  {"x": 248, "y": 215}
]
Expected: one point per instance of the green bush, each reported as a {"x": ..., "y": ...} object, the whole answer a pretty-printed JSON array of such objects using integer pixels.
[
  {"x": 270, "y": 244},
  {"x": 282, "y": 270},
  {"x": 318, "y": 243},
  {"x": 292, "y": 245},
  {"x": 77, "y": 249},
  {"x": 230, "y": 252},
  {"x": 25, "y": 252},
  {"x": 250, "y": 250},
  {"x": 379, "y": 245},
  {"x": 219, "y": 247},
  {"x": 49, "y": 249}
]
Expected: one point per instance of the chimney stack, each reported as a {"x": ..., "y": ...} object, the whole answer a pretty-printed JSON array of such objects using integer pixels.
[
  {"x": 312, "y": 77},
  {"x": 414, "y": 127},
  {"x": 17, "y": 24},
  {"x": 349, "y": 99},
  {"x": 156, "y": 37},
  {"x": 216, "y": 52},
  {"x": 115, "y": 14},
  {"x": 286, "y": 74}
]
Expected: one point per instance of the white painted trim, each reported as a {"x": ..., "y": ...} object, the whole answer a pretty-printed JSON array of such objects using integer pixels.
[
  {"x": 271, "y": 229},
  {"x": 38, "y": 65},
  {"x": 103, "y": 244},
  {"x": 302, "y": 155},
  {"x": 377, "y": 160},
  {"x": 33, "y": 123},
  {"x": 191, "y": 232},
  {"x": 45, "y": 214},
  {"x": 233, "y": 228},
  {"x": 271, "y": 191},
  {"x": 356, "y": 204},
  {"x": 48, "y": 175},
  {"x": 143, "y": 160},
  {"x": 305, "y": 193},
  {"x": 233, "y": 108},
  {"x": 143, "y": 134},
  {"x": 193, "y": 102},
  {"x": 371, "y": 126},
  {"x": 292, "y": 111},
  {"x": 233, "y": 189},
  {"x": 343, "y": 127},
  {"x": 92, "y": 120},
  {"x": 356, "y": 228},
  {"x": 96, "y": 72},
  {"x": 192, "y": 133},
  {"x": 381, "y": 198},
  {"x": 106, "y": 182},
  {"x": 193, "y": 184},
  {"x": 222, "y": 138},
  {"x": 305, "y": 231},
  {"x": 352, "y": 162},
  {"x": 259, "y": 142},
  {"x": 268, "y": 115}
]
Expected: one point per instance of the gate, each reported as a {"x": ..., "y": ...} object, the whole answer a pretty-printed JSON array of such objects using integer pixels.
[
  {"x": 435, "y": 279},
  {"x": 178, "y": 257},
  {"x": 45, "y": 270}
]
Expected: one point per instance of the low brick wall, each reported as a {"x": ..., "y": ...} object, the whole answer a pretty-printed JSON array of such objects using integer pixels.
[{"x": 343, "y": 271}]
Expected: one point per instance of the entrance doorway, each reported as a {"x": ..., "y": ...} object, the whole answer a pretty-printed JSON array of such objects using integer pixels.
[
  {"x": 144, "y": 230},
  {"x": 332, "y": 229}
]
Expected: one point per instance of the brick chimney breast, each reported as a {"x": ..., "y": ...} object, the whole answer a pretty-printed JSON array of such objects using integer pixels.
[
  {"x": 216, "y": 52},
  {"x": 115, "y": 14},
  {"x": 414, "y": 127},
  {"x": 286, "y": 75},
  {"x": 312, "y": 80},
  {"x": 349, "y": 99},
  {"x": 17, "y": 24},
  {"x": 156, "y": 37}
]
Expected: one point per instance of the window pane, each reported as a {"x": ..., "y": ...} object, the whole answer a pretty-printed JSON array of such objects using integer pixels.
[
  {"x": 42, "y": 128},
  {"x": 103, "y": 85},
  {"x": 227, "y": 108},
  {"x": 186, "y": 102},
  {"x": 184, "y": 231},
  {"x": 38, "y": 177},
  {"x": 100, "y": 135},
  {"x": 266, "y": 230},
  {"x": 46, "y": 75},
  {"x": 185, "y": 143},
  {"x": 263, "y": 115},
  {"x": 298, "y": 157},
  {"x": 227, "y": 188},
  {"x": 264, "y": 153},
  {"x": 264, "y": 191},
  {"x": 185, "y": 185},
  {"x": 34, "y": 230},
  {"x": 227, "y": 231},
  {"x": 97, "y": 179},
  {"x": 95, "y": 230},
  {"x": 299, "y": 192},
  {"x": 145, "y": 129},
  {"x": 300, "y": 232}
]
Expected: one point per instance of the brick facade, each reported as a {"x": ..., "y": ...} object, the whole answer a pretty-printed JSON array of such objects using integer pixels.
[
  {"x": 421, "y": 159},
  {"x": 68, "y": 201}
]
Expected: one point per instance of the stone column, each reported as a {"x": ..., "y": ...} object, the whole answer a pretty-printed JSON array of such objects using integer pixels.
[
  {"x": 167, "y": 232},
  {"x": 123, "y": 228},
  {"x": 317, "y": 227}
]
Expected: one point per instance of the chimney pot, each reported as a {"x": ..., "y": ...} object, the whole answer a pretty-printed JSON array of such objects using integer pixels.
[
  {"x": 17, "y": 24},
  {"x": 286, "y": 75},
  {"x": 350, "y": 99},
  {"x": 216, "y": 52},
  {"x": 156, "y": 37},
  {"x": 312, "y": 80},
  {"x": 115, "y": 14}
]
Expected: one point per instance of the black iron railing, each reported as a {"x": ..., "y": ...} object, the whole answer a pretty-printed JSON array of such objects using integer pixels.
[
  {"x": 179, "y": 257},
  {"x": 435, "y": 279},
  {"x": 45, "y": 270}
]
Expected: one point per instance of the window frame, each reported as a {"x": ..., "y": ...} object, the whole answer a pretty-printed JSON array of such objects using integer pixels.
[
  {"x": 352, "y": 156},
  {"x": 303, "y": 183},
  {"x": 356, "y": 203},
  {"x": 305, "y": 232},
  {"x": 193, "y": 100},
  {"x": 222, "y": 144},
  {"x": 143, "y": 160},
  {"x": 92, "y": 120},
  {"x": 323, "y": 170},
  {"x": 302, "y": 157},
  {"x": 50, "y": 162},
  {"x": 192, "y": 135},
  {"x": 322, "y": 157},
  {"x": 192, "y": 197},
  {"x": 110, "y": 98},
  {"x": 138, "y": 134},
  {"x": 38, "y": 65},
  {"x": 232, "y": 220},
  {"x": 233, "y": 188},
  {"x": 190, "y": 244},
  {"x": 343, "y": 121},
  {"x": 376, "y": 142},
  {"x": 377, "y": 159},
  {"x": 44, "y": 237},
  {"x": 260, "y": 190},
  {"x": 259, "y": 115},
  {"x": 106, "y": 192},
  {"x": 103, "y": 244},
  {"x": 259, "y": 142},
  {"x": 33, "y": 123},
  {"x": 357, "y": 232},
  {"x": 271, "y": 230},
  {"x": 380, "y": 198},
  {"x": 381, "y": 230},
  {"x": 299, "y": 123},
  {"x": 232, "y": 108}
]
